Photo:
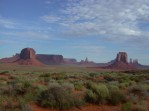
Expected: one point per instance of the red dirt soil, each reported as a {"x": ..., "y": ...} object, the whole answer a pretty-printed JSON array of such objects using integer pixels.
[
  {"x": 33, "y": 62},
  {"x": 6, "y": 76},
  {"x": 88, "y": 107}
]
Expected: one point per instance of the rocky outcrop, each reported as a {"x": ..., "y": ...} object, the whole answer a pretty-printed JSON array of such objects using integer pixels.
[
  {"x": 122, "y": 57},
  {"x": 28, "y": 53},
  {"x": 50, "y": 59},
  {"x": 70, "y": 61},
  {"x": 10, "y": 59},
  {"x": 28, "y": 57},
  {"x": 121, "y": 62}
]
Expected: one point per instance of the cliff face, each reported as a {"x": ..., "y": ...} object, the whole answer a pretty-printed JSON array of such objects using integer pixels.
[
  {"x": 121, "y": 62},
  {"x": 28, "y": 57},
  {"x": 50, "y": 59},
  {"x": 70, "y": 61},
  {"x": 28, "y": 53},
  {"x": 122, "y": 57}
]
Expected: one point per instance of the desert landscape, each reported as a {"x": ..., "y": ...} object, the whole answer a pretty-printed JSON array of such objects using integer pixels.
[
  {"x": 74, "y": 55},
  {"x": 47, "y": 82}
]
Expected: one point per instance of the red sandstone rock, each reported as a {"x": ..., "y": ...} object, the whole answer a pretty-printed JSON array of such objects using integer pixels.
[
  {"x": 122, "y": 57},
  {"x": 121, "y": 62},
  {"x": 27, "y": 53},
  {"x": 50, "y": 59},
  {"x": 10, "y": 59},
  {"x": 28, "y": 57}
]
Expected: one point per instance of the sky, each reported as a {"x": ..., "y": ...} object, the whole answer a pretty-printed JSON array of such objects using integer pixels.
[{"x": 97, "y": 29}]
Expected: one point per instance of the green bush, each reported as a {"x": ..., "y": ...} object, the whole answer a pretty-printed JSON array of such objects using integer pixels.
[
  {"x": 78, "y": 86},
  {"x": 68, "y": 86},
  {"x": 127, "y": 106},
  {"x": 26, "y": 107},
  {"x": 57, "y": 97},
  {"x": 116, "y": 96},
  {"x": 140, "y": 90},
  {"x": 4, "y": 72},
  {"x": 97, "y": 93},
  {"x": 91, "y": 97},
  {"x": 141, "y": 106},
  {"x": 93, "y": 74}
]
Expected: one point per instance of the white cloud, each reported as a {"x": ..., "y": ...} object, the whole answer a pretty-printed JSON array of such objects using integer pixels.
[
  {"x": 47, "y": 2},
  {"x": 91, "y": 49},
  {"x": 6, "y": 41},
  {"x": 6, "y": 23},
  {"x": 115, "y": 19},
  {"x": 31, "y": 35},
  {"x": 26, "y": 34},
  {"x": 50, "y": 19}
]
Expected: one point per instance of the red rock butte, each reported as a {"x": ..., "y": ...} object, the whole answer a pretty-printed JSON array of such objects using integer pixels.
[
  {"x": 28, "y": 57},
  {"x": 122, "y": 57},
  {"x": 28, "y": 53},
  {"x": 121, "y": 62}
]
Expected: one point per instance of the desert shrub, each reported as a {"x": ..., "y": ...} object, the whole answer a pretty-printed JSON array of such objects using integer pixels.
[
  {"x": 132, "y": 83},
  {"x": 116, "y": 96},
  {"x": 53, "y": 84},
  {"x": 78, "y": 86},
  {"x": 26, "y": 84},
  {"x": 4, "y": 72},
  {"x": 26, "y": 107},
  {"x": 18, "y": 88},
  {"x": 46, "y": 79},
  {"x": 97, "y": 93},
  {"x": 68, "y": 86},
  {"x": 23, "y": 87},
  {"x": 91, "y": 97},
  {"x": 93, "y": 74},
  {"x": 109, "y": 78},
  {"x": 57, "y": 97},
  {"x": 40, "y": 88},
  {"x": 45, "y": 75},
  {"x": 126, "y": 106},
  {"x": 140, "y": 107},
  {"x": 124, "y": 85},
  {"x": 140, "y": 90}
]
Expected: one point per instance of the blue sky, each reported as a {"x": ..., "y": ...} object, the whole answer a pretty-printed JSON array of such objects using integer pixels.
[{"x": 97, "y": 29}]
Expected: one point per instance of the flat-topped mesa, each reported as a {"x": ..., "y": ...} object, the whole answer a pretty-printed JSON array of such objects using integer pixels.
[
  {"x": 28, "y": 53},
  {"x": 50, "y": 59},
  {"x": 122, "y": 57}
]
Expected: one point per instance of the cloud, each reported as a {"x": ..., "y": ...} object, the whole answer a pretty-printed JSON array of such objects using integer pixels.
[
  {"x": 118, "y": 20},
  {"x": 47, "y": 2},
  {"x": 50, "y": 19},
  {"x": 6, "y": 23},
  {"x": 31, "y": 35},
  {"x": 6, "y": 41},
  {"x": 26, "y": 34},
  {"x": 88, "y": 48}
]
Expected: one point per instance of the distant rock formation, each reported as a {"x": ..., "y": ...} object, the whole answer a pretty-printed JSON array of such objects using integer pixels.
[
  {"x": 28, "y": 53},
  {"x": 70, "y": 61},
  {"x": 28, "y": 57},
  {"x": 121, "y": 62},
  {"x": 50, "y": 59},
  {"x": 134, "y": 61},
  {"x": 122, "y": 57},
  {"x": 10, "y": 59},
  {"x": 88, "y": 63}
]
